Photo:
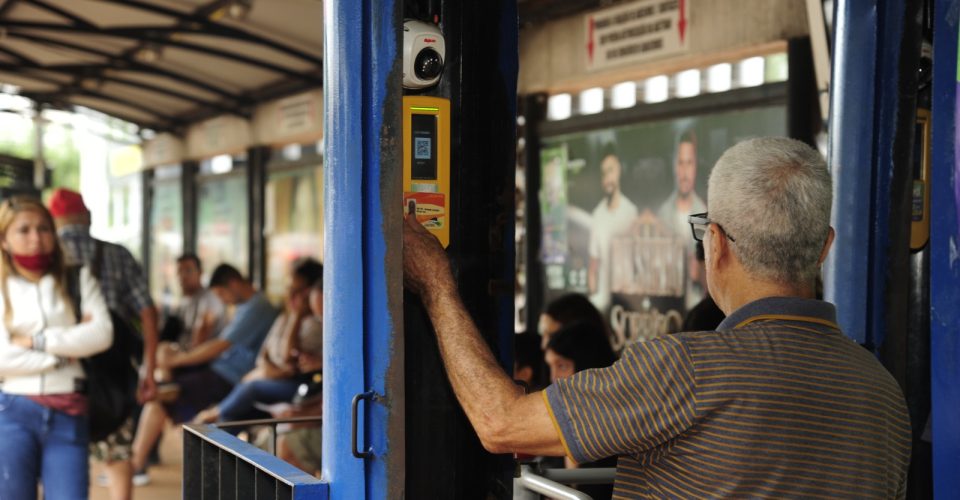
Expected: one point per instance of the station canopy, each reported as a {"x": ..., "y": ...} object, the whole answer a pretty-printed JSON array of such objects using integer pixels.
[
  {"x": 162, "y": 64},
  {"x": 165, "y": 64}
]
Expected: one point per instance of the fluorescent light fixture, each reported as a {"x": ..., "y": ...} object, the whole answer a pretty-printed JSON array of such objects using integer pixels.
[
  {"x": 777, "y": 68},
  {"x": 719, "y": 77},
  {"x": 688, "y": 83},
  {"x": 623, "y": 95},
  {"x": 221, "y": 164},
  {"x": 656, "y": 89},
  {"x": 591, "y": 101},
  {"x": 291, "y": 152},
  {"x": 559, "y": 107},
  {"x": 751, "y": 72}
]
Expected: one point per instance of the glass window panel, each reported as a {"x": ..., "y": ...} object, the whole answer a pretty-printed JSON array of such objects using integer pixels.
[
  {"x": 294, "y": 222},
  {"x": 166, "y": 242},
  {"x": 222, "y": 223}
]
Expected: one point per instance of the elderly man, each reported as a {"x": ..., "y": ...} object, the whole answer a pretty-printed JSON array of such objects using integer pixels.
[{"x": 777, "y": 402}]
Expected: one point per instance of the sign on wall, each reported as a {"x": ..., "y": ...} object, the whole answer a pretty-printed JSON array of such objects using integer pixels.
[{"x": 636, "y": 32}]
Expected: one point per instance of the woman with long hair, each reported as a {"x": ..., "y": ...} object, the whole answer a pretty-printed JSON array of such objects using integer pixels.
[{"x": 42, "y": 337}]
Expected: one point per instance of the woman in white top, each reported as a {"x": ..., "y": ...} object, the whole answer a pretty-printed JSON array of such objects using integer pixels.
[{"x": 42, "y": 405}]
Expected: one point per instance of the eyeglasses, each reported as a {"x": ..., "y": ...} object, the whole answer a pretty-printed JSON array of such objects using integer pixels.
[{"x": 699, "y": 224}]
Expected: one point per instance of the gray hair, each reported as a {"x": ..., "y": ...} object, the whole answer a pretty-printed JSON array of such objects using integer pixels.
[{"x": 774, "y": 196}]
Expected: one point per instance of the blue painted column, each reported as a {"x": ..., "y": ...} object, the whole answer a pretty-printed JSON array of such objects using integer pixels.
[
  {"x": 363, "y": 274},
  {"x": 850, "y": 157},
  {"x": 865, "y": 102},
  {"x": 944, "y": 262}
]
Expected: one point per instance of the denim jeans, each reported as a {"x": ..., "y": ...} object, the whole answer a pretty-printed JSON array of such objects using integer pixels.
[
  {"x": 238, "y": 405},
  {"x": 41, "y": 444}
]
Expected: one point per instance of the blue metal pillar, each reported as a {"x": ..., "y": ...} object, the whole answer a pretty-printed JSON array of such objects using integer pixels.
[
  {"x": 865, "y": 104},
  {"x": 846, "y": 277},
  {"x": 363, "y": 274},
  {"x": 944, "y": 264}
]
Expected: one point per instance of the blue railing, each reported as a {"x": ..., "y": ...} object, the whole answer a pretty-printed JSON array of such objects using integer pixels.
[{"x": 217, "y": 465}]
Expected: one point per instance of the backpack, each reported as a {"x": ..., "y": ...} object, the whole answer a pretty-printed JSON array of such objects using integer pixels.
[{"x": 112, "y": 378}]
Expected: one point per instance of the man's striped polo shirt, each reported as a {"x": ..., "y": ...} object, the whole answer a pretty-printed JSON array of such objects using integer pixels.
[{"x": 776, "y": 403}]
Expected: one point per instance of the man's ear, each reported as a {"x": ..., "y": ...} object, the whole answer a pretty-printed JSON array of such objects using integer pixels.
[
  {"x": 826, "y": 246},
  {"x": 718, "y": 249}
]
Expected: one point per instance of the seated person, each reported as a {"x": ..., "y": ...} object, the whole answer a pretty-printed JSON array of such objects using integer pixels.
[
  {"x": 276, "y": 375},
  {"x": 208, "y": 372},
  {"x": 576, "y": 347},
  {"x": 302, "y": 445},
  {"x": 567, "y": 309},
  {"x": 200, "y": 314}
]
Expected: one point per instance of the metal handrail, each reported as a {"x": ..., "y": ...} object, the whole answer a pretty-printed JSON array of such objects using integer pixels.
[
  {"x": 269, "y": 422},
  {"x": 544, "y": 486},
  {"x": 590, "y": 475},
  {"x": 219, "y": 465}
]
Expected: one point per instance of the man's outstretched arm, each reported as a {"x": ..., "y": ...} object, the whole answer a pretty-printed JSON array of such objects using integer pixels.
[{"x": 505, "y": 419}]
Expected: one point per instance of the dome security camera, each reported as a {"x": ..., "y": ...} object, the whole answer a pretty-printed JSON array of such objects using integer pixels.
[{"x": 423, "y": 53}]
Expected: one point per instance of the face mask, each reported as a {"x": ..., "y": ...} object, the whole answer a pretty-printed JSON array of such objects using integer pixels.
[{"x": 36, "y": 263}]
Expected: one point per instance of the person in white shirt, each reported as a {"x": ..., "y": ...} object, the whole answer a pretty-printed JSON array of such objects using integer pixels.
[
  {"x": 613, "y": 216},
  {"x": 42, "y": 403},
  {"x": 683, "y": 202}
]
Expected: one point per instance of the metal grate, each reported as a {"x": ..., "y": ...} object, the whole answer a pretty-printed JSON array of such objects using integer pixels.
[{"x": 218, "y": 466}]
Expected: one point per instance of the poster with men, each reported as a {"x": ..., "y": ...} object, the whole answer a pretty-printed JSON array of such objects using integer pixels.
[{"x": 614, "y": 204}]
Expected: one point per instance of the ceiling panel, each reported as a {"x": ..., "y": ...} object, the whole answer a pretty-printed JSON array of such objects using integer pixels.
[
  {"x": 32, "y": 13},
  {"x": 112, "y": 14},
  {"x": 48, "y": 55},
  {"x": 160, "y": 102},
  {"x": 72, "y": 43},
  {"x": 273, "y": 19},
  {"x": 117, "y": 110},
  {"x": 234, "y": 76},
  {"x": 249, "y": 49},
  {"x": 162, "y": 81},
  {"x": 27, "y": 84},
  {"x": 101, "y": 43}
]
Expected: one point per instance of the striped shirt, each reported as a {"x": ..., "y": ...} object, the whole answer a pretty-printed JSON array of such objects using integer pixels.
[
  {"x": 776, "y": 403},
  {"x": 121, "y": 278}
]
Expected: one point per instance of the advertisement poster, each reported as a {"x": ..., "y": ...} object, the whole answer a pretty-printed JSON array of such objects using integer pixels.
[{"x": 614, "y": 205}]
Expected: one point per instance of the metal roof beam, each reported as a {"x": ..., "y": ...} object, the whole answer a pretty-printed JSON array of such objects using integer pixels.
[
  {"x": 154, "y": 34},
  {"x": 200, "y": 23},
  {"x": 128, "y": 64},
  {"x": 80, "y": 74},
  {"x": 76, "y": 88},
  {"x": 70, "y": 16},
  {"x": 20, "y": 57},
  {"x": 56, "y": 103},
  {"x": 7, "y": 7}
]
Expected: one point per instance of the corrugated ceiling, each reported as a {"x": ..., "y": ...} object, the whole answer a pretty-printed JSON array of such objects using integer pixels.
[{"x": 161, "y": 63}]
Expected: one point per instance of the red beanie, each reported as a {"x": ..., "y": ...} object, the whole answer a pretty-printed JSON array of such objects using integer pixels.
[{"x": 65, "y": 202}]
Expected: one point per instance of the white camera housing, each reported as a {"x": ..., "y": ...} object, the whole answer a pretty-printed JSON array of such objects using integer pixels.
[{"x": 424, "y": 51}]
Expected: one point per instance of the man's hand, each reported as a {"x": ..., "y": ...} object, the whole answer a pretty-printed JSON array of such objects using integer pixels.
[
  {"x": 425, "y": 264},
  {"x": 147, "y": 390}
]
